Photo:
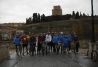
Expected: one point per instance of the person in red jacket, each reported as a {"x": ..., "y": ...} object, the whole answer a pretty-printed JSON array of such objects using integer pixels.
[{"x": 24, "y": 40}]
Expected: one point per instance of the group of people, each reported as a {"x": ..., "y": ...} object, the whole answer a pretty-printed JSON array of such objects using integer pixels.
[{"x": 46, "y": 43}]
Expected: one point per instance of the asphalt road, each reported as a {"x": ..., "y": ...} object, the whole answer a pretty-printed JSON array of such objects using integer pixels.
[{"x": 53, "y": 60}]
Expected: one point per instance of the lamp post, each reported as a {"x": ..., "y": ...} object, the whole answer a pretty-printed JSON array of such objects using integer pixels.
[
  {"x": 92, "y": 45},
  {"x": 92, "y": 19},
  {"x": 94, "y": 55},
  {"x": 93, "y": 31}
]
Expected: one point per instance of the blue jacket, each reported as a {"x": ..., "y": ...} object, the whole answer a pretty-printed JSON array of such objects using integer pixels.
[
  {"x": 55, "y": 39},
  {"x": 70, "y": 38},
  {"x": 17, "y": 40},
  {"x": 60, "y": 38},
  {"x": 66, "y": 42}
]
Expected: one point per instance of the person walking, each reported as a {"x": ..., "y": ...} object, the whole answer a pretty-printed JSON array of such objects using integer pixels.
[{"x": 17, "y": 43}]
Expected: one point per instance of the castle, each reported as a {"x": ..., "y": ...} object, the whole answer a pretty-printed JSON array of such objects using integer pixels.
[
  {"x": 56, "y": 10},
  {"x": 56, "y": 15}
]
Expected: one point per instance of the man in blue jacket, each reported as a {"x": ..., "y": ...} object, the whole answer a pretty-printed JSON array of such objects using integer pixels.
[
  {"x": 55, "y": 42},
  {"x": 17, "y": 43},
  {"x": 65, "y": 40},
  {"x": 61, "y": 41}
]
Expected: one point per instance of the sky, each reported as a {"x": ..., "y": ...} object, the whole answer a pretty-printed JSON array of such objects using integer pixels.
[{"x": 19, "y": 10}]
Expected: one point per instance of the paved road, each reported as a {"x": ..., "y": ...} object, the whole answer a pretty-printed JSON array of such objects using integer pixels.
[
  {"x": 53, "y": 60},
  {"x": 47, "y": 61},
  {"x": 68, "y": 60}
]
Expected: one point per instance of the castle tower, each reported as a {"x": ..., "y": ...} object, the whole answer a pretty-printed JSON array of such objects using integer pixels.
[{"x": 56, "y": 11}]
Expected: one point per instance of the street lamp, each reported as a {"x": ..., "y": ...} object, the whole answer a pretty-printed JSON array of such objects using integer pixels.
[
  {"x": 93, "y": 27},
  {"x": 93, "y": 31},
  {"x": 94, "y": 55}
]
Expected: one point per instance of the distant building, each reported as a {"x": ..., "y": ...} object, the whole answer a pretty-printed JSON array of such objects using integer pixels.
[
  {"x": 8, "y": 30},
  {"x": 56, "y": 11},
  {"x": 6, "y": 33},
  {"x": 12, "y": 24}
]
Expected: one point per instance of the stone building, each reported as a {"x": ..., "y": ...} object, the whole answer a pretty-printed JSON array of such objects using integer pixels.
[{"x": 56, "y": 10}]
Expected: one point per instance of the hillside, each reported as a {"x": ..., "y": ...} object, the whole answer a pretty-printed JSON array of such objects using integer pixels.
[
  {"x": 82, "y": 27},
  {"x": 50, "y": 26}
]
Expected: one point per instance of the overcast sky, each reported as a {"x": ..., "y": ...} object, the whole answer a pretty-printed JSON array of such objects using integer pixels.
[{"x": 19, "y": 10}]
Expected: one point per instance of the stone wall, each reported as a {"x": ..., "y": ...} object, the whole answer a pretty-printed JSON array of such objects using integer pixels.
[{"x": 4, "y": 53}]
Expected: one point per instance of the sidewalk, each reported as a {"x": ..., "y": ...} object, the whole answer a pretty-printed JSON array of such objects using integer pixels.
[{"x": 11, "y": 61}]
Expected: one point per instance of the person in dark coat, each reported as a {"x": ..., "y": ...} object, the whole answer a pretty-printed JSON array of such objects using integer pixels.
[
  {"x": 32, "y": 44},
  {"x": 76, "y": 42},
  {"x": 40, "y": 42}
]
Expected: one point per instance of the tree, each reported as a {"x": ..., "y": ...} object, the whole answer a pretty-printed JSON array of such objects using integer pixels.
[
  {"x": 34, "y": 17},
  {"x": 27, "y": 21},
  {"x": 84, "y": 14},
  {"x": 38, "y": 17},
  {"x": 31, "y": 20},
  {"x": 81, "y": 14},
  {"x": 73, "y": 14},
  {"x": 77, "y": 15},
  {"x": 43, "y": 18}
]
